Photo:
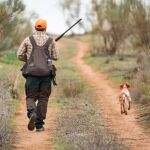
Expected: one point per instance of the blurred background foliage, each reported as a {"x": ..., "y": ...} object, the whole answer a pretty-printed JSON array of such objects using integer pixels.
[
  {"x": 112, "y": 21},
  {"x": 14, "y": 26}
]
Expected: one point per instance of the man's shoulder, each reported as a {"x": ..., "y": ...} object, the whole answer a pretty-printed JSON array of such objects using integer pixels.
[
  {"x": 27, "y": 39},
  {"x": 49, "y": 36},
  {"x": 51, "y": 39}
]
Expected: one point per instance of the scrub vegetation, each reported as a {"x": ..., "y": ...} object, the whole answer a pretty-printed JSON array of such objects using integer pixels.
[
  {"x": 11, "y": 88},
  {"x": 13, "y": 28}
]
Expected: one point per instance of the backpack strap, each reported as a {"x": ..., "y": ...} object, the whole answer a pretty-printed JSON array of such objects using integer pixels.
[
  {"x": 46, "y": 45},
  {"x": 32, "y": 40},
  {"x": 48, "y": 42}
]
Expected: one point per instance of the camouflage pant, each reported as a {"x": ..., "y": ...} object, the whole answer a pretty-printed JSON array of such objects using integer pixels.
[{"x": 37, "y": 89}]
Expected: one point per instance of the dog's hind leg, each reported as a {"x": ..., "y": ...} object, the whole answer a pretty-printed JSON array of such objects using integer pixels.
[
  {"x": 125, "y": 109},
  {"x": 121, "y": 107},
  {"x": 129, "y": 105}
]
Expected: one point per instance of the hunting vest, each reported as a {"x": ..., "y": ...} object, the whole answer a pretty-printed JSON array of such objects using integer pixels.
[{"x": 37, "y": 64}]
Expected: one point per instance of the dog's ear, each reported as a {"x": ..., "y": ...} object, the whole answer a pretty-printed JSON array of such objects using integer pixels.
[
  {"x": 121, "y": 86},
  {"x": 128, "y": 85}
]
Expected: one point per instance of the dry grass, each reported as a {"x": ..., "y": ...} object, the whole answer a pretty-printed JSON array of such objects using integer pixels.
[
  {"x": 5, "y": 115},
  {"x": 12, "y": 79},
  {"x": 81, "y": 127},
  {"x": 141, "y": 92},
  {"x": 8, "y": 97},
  {"x": 72, "y": 88}
]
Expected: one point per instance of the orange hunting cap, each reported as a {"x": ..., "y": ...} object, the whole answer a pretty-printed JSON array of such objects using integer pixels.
[{"x": 41, "y": 24}]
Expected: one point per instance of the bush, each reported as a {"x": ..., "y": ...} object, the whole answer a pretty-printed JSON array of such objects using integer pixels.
[
  {"x": 72, "y": 88},
  {"x": 12, "y": 83},
  {"x": 141, "y": 92},
  {"x": 8, "y": 94},
  {"x": 5, "y": 114}
]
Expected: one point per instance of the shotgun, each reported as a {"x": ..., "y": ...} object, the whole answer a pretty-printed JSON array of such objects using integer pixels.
[{"x": 59, "y": 37}]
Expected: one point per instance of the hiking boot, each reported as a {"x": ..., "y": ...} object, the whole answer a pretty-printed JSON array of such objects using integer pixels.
[
  {"x": 40, "y": 129},
  {"x": 31, "y": 124}
]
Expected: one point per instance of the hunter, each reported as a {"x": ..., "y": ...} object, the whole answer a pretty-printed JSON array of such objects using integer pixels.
[{"x": 38, "y": 51}]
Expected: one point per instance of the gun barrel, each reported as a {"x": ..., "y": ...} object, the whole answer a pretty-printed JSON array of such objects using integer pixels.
[{"x": 59, "y": 37}]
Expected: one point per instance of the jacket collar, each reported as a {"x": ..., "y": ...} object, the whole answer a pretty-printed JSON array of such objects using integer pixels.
[{"x": 40, "y": 32}]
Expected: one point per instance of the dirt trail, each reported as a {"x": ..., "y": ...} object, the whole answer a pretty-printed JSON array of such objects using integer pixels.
[
  {"x": 126, "y": 127},
  {"x": 32, "y": 140}
]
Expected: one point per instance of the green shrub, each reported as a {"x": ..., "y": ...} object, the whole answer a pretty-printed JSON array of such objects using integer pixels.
[{"x": 9, "y": 58}]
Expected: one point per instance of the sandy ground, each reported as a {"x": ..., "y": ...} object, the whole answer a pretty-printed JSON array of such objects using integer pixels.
[
  {"x": 126, "y": 127},
  {"x": 32, "y": 140}
]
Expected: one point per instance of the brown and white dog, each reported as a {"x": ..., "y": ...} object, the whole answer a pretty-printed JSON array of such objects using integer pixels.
[{"x": 124, "y": 94}]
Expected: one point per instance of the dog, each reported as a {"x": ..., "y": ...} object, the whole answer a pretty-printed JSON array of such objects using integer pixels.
[{"x": 124, "y": 94}]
